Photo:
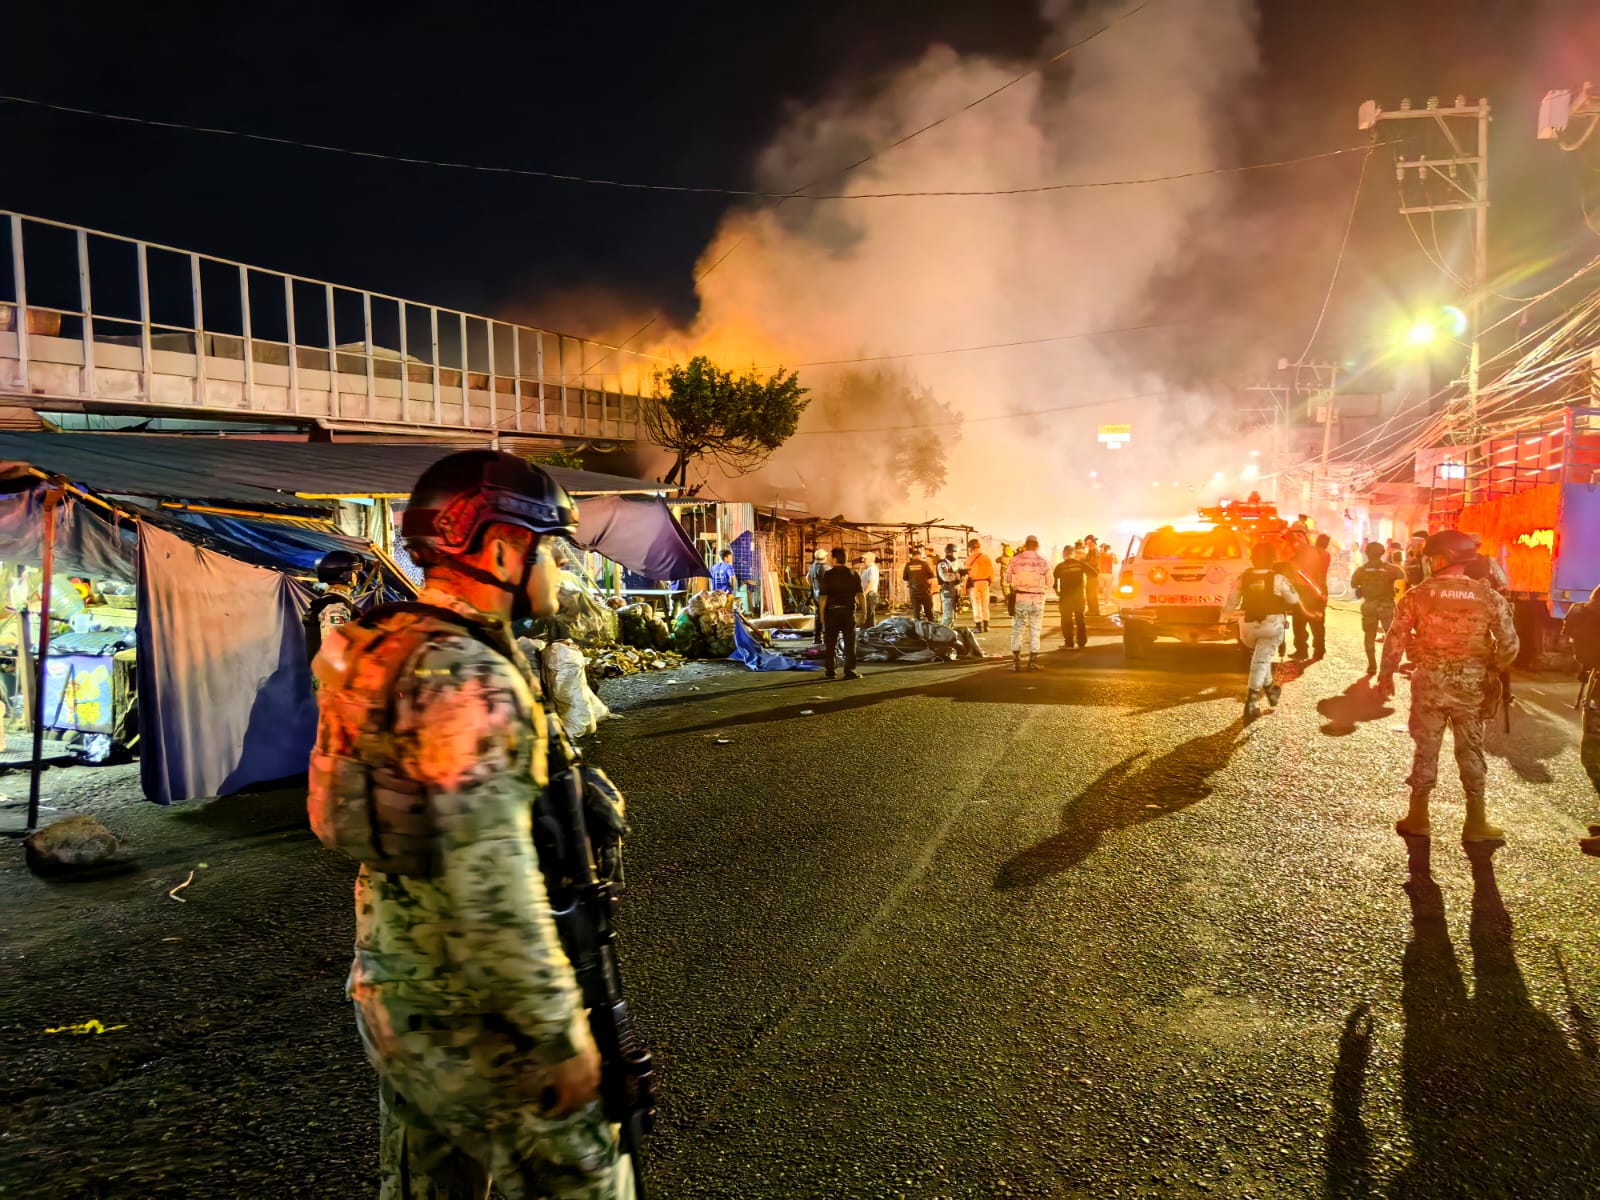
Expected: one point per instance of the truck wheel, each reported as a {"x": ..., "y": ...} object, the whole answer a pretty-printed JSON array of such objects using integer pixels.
[
  {"x": 1533, "y": 624},
  {"x": 1136, "y": 645}
]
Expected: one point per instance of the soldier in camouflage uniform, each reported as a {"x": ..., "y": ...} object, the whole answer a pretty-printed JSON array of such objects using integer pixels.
[
  {"x": 1459, "y": 633},
  {"x": 431, "y": 752},
  {"x": 337, "y": 605},
  {"x": 1375, "y": 581}
]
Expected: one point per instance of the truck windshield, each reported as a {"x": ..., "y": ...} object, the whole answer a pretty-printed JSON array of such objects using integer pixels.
[{"x": 1209, "y": 544}]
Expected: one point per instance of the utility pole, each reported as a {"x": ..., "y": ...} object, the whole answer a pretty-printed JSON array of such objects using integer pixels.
[{"x": 1470, "y": 196}]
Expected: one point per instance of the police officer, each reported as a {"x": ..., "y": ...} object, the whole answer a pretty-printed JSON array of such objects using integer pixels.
[
  {"x": 1374, "y": 582},
  {"x": 1264, "y": 598},
  {"x": 336, "y": 606},
  {"x": 1459, "y": 632},
  {"x": 1072, "y": 577},
  {"x": 430, "y": 757}
]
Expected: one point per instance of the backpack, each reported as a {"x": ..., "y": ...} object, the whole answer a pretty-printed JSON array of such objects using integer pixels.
[{"x": 1582, "y": 629}]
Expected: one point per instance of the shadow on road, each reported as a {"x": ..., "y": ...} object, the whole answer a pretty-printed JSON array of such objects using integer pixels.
[
  {"x": 1349, "y": 1145},
  {"x": 1127, "y": 794},
  {"x": 1497, "y": 1101},
  {"x": 1534, "y": 740},
  {"x": 1358, "y": 703}
]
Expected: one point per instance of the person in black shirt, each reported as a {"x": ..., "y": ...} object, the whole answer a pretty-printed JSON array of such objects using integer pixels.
[
  {"x": 1072, "y": 576},
  {"x": 919, "y": 577},
  {"x": 839, "y": 588}
]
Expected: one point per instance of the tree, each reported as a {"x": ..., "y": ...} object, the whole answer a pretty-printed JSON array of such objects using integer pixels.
[
  {"x": 700, "y": 410},
  {"x": 912, "y": 430},
  {"x": 561, "y": 457}
]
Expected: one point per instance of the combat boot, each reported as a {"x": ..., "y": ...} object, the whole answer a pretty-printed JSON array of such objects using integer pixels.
[
  {"x": 1252, "y": 705},
  {"x": 1033, "y": 662},
  {"x": 1016, "y": 660},
  {"x": 1415, "y": 822},
  {"x": 1274, "y": 693},
  {"x": 1372, "y": 663},
  {"x": 1477, "y": 827}
]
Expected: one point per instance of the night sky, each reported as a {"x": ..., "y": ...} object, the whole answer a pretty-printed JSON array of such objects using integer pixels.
[{"x": 688, "y": 94}]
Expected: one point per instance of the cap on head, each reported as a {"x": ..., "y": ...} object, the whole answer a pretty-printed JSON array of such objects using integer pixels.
[
  {"x": 949, "y": 547},
  {"x": 821, "y": 555},
  {"x": 461, "y": 494}
]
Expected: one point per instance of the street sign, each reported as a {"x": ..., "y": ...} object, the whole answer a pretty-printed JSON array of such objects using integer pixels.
[{"x": 1114, "y": 437}]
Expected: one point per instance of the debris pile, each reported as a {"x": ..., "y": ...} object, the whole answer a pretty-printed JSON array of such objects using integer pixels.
[
  {"x": 904, "y": 640},
  {"x": 704, "y": 629},
  {"x": 628, "y": 660},
  {"x": 643, "y": 628}
]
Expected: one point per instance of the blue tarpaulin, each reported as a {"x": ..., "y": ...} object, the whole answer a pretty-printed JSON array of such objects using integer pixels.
[
  {"x": 225, "y": 695},
  {"x": 753, "y": 655},
  {"x": 267, "y": 543},
  {"x": 280, "y": 545}
]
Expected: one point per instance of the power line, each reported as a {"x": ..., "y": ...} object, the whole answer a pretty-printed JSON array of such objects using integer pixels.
[
  {"x": 735, "y": 193},
  {"x": 1344, "y": 244},
  {"x": 967, "y": 107}
]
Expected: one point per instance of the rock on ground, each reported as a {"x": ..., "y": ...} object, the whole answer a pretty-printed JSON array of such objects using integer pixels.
[{"x": 73, "y": 844}]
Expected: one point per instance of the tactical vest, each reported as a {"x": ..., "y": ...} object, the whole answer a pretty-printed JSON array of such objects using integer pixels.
[
  {"x": 360, "y": 803},
  {"x": 1258, "y": 592},
  {"x": 312, "y": 620},
  {"x": 1374, "y": 583}
]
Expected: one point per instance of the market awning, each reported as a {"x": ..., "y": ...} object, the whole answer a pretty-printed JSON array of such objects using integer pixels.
[{"x": 257, "y": 472}]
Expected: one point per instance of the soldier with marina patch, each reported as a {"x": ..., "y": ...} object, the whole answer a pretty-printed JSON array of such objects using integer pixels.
[
  {"x": 431, "y": 753},
  {"x": 1459, "y": 632}
]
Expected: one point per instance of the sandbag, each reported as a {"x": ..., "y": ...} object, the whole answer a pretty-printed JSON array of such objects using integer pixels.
[{"x": 580, "y": 710}]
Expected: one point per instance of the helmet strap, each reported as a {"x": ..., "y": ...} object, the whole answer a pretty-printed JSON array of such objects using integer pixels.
[{"x": 517, "y": 588}]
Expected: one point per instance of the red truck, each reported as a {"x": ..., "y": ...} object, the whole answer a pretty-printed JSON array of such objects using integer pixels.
[{"x": 1532, "y": 496}]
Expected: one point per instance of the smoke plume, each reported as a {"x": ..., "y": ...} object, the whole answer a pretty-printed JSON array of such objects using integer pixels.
[{"x": 805, "y": 281}]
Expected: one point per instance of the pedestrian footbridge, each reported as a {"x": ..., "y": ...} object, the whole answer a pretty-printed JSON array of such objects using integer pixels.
[{"x": 95, "y": 322}]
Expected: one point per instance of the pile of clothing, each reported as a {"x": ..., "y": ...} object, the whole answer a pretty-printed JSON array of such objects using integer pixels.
[
  {"x": 705, "y": 628},
  {"x": 906, "y": 640}
]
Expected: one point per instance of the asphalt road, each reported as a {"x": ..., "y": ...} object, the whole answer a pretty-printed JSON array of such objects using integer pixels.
[{"x": 947, "y": 931}]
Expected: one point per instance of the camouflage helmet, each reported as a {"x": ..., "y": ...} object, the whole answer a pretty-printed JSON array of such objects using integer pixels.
[
  {"x": 462, "y": 493},
  {"x": 1452, "y": 545}
]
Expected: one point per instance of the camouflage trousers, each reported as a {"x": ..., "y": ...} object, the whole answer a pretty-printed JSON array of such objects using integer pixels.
[
  {"x": 453, "y": 1115},
  {"x": 1429, "y": 718},
  {"x": 1373, "y": 619}
]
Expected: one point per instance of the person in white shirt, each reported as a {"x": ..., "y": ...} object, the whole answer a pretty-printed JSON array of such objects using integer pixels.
[
  {"x": 1028, "y": 578},
  {"x": 869, "y": 590}
]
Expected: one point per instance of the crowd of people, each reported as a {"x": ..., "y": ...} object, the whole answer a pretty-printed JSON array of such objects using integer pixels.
[{"x": 438, "y": 769}]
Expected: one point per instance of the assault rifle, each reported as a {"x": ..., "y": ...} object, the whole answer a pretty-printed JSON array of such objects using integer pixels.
[
  {"x": 583, "y": 904},
  {"x": 1505, "y": 699}
]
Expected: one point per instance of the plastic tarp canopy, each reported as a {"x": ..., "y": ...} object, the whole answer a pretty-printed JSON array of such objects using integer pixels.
[
  {"x": 225, "y": 696},
  {"x": 85, "y": 543},
  {"x": 639, "y": 532},
  {"x": 277, "y": 544},
  {"x": 755, "y": 656}
]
